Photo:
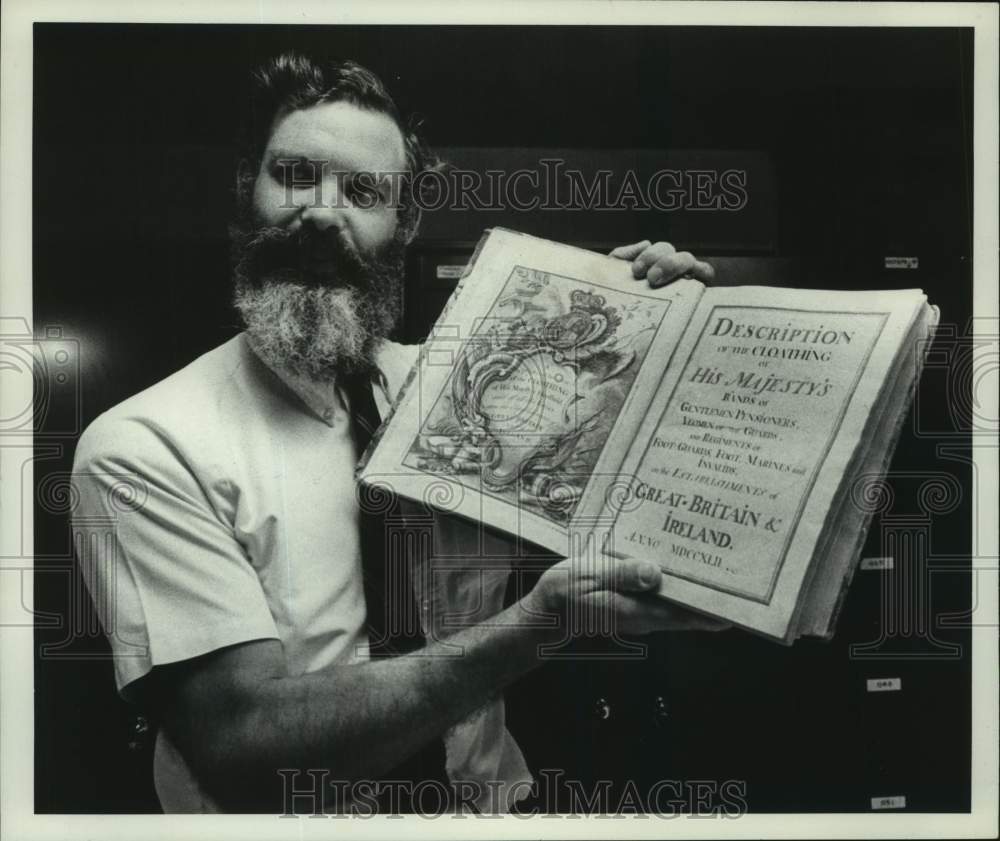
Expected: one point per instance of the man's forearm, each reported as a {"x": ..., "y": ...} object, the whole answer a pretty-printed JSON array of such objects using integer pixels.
[
  {"x": 361, "y": 720},
  {"x": 238, "y": 717}
]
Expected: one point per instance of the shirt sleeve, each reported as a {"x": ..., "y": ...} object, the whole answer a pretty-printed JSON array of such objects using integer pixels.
[{"x": 167, "y": 575}]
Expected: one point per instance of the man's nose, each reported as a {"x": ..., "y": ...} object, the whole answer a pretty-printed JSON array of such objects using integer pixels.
[
  {"x": 323, "y": 215},
  {"x": 327, "y": 207}
]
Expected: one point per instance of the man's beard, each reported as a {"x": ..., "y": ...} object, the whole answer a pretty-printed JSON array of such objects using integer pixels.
[{"x": 313, "y": 304}]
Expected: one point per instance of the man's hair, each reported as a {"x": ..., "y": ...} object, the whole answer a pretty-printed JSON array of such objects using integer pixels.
[{"x": 291, "y": 81}]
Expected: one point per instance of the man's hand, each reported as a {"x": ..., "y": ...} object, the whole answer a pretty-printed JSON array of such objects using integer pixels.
[
  {"x": 608, "y": 592},
  {"x": 660, "y": 263}
]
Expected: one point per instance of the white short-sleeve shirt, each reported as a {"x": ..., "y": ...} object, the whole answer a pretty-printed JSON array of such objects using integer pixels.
[{"x": 218, "y": 506}]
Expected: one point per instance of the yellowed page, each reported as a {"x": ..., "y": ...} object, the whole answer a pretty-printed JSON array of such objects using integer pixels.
[
  {"x": 531, "y": 387},
  {"x": 847, "y": 528},
  {"x": 739, "y": 459}
]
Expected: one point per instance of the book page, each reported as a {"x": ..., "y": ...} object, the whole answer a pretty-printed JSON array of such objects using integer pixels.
[
  {"x": 743, "y": 449},
  {"x": 847, "y": 529},
  {"x": 531, "y": 386}
]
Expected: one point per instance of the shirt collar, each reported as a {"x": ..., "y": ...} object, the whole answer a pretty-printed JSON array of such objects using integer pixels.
[{"x": 326, "y": 400}]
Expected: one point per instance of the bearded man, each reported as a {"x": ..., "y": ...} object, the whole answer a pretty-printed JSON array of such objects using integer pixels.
[{"x": 242, "y": 585}]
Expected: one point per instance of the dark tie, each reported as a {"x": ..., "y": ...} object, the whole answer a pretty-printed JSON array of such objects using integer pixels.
[{"x": 393, "y": 621}]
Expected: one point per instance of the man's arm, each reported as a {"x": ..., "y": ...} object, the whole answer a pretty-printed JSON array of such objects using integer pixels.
[{"x": 237, "y": 716}]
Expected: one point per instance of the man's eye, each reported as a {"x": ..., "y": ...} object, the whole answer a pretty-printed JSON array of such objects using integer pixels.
[
  {"x": 298, "y": 174},
  {"x": 362, "y": 190}
]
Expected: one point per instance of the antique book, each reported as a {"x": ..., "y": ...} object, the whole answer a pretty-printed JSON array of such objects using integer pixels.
[{"x": 732, "y": 435}]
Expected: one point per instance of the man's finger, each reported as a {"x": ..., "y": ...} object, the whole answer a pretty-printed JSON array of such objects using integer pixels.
[
  {"x": 629, "y": 252},
  {"x": 680, "y": 264},
  {"x": 630, "y": 576},
  {"x": 650, "y": 256},
  {"x": 702, "y": 271}
]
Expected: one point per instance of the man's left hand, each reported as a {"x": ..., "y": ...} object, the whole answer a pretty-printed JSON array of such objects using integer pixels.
[{"x": 660, "y": 263}]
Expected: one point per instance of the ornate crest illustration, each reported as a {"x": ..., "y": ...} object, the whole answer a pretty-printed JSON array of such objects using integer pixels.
[{"x": 536, "y": 390}]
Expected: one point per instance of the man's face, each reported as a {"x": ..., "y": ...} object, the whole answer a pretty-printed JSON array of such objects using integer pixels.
[
  {"x": 348, "y": 140},
  {"x": 319, "y": 253}
]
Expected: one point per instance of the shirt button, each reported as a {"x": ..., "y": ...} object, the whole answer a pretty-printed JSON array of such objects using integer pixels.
[{"x": 328, "y": 416}]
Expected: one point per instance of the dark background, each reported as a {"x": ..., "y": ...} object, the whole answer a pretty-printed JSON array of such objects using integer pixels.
[{"x": 866, "y": 135}]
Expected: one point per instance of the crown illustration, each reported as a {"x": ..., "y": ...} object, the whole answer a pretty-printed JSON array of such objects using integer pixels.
[{"x": 580, "y": 299}]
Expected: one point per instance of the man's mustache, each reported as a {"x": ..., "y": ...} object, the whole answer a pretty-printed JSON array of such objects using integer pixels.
[{"x": 321, "y": 258}]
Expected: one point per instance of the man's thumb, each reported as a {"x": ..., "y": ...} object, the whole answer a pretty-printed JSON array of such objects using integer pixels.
[{"x": 637, "y": 576}]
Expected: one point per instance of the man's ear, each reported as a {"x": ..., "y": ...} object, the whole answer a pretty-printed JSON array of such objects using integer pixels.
[
  {"x": 245, "y": 176},
  {"x": 413, "y": 224}
]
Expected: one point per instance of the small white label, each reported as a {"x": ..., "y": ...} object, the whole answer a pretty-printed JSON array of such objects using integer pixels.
[
  {"x": 877, "y": 563},
  {"x": 902, "y": 262},
  {"x": 885, "y": 684},
  {"x": 449, "y": 272},
  {"x": 898, "y": 802}
]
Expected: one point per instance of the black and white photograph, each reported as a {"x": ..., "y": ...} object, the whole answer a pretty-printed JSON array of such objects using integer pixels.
[{"x": 563, "y": 420}]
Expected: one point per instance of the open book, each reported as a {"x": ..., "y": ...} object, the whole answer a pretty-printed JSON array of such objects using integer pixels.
[{"x": 728, "y": 434}]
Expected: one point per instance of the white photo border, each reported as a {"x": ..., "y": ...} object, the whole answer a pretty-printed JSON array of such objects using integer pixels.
[{"x": 16, "y": 662}]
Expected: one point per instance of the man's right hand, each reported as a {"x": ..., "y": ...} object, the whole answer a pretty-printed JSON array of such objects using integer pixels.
[{"x": 611, "y": 593}]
